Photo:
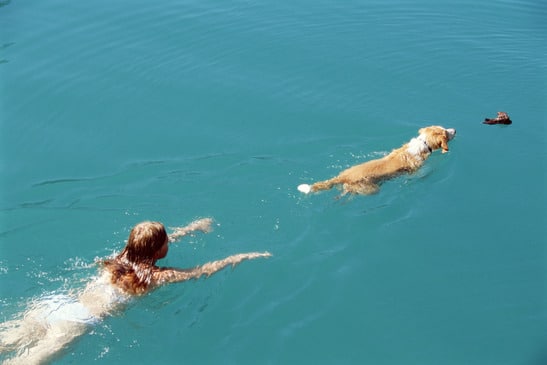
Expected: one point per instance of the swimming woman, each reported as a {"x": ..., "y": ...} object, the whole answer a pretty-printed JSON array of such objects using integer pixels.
[{"x": 49, "y": 326}]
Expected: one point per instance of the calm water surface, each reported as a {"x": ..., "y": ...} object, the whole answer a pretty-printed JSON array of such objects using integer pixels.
[{"x": 113, "y": 113}]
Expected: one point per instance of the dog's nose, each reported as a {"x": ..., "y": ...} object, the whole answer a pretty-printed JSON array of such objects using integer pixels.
[{"x": 451, "y": 132}]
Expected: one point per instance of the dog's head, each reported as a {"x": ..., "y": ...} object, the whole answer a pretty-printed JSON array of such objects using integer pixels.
[{"x": 437, "y": 137}]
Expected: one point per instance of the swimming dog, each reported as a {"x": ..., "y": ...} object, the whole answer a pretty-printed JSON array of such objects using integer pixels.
[{"x": 367, "y": 177}]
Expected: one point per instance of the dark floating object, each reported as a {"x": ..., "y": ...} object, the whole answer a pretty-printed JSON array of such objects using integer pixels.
[{"x": 502, "y": 118}]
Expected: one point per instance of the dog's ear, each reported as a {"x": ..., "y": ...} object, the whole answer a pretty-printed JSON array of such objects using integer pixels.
[
  {"x": 438, "y": 138},
  {"x": 444, "y": 142}
]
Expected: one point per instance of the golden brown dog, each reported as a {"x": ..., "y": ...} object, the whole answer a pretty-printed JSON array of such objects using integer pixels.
[{"x": 366, "y": 177}]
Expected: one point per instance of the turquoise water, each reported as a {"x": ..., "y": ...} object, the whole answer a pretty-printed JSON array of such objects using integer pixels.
[{"x": 118, "y": 112}]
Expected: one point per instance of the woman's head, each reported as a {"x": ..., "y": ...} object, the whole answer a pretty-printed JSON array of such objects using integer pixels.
[
  {"x": 147, "y": 243},
  {"x": 133, "y": 268}
]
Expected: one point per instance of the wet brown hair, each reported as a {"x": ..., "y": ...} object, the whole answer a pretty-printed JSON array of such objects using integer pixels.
[{"x": 132, "y": 269}]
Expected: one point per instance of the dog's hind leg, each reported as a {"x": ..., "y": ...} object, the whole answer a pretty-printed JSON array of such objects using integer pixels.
[{"x": 361, "y": 188}]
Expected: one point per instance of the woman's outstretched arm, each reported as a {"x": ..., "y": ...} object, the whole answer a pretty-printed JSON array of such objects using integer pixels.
[
  {"x": 170, "y": 275},
  {"x": 203, "y": 225}
]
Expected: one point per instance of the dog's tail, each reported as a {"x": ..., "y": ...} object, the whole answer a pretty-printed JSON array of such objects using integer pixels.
[{"x": 318, "y": 186}]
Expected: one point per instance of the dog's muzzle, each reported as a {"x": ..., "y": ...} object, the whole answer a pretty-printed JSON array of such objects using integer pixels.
[{"x": 451, "y": 133}]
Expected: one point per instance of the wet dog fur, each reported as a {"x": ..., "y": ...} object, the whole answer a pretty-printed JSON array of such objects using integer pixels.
[{"x": 367, "y": 177}]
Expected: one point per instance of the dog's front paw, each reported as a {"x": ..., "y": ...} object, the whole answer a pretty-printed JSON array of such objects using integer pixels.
[{"x": 304, "y": 188}]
